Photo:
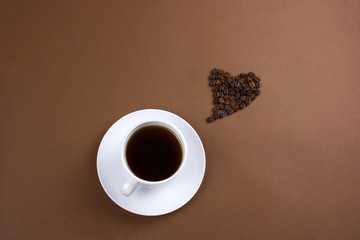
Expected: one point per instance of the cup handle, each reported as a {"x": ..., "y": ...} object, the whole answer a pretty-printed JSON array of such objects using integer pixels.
[{"x": 129, "y": 186}]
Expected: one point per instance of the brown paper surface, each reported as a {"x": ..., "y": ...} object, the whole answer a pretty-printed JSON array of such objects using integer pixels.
[{"x": 286, "y": 167}]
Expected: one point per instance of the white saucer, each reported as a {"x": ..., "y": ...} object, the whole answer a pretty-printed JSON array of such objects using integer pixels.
[{"x": 158, "y": 200}]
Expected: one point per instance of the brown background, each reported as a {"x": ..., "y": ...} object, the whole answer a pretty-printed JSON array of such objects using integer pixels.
[{"x": 287, "y": 167}]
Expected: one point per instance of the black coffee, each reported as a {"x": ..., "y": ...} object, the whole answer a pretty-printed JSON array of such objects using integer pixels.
[{"x": 153, "y": 153}]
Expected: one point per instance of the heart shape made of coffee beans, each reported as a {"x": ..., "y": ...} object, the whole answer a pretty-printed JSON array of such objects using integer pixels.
[{"x": 232, "y": 93}]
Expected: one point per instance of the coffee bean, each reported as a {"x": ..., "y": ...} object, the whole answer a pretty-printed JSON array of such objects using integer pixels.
[
  {"x": 251, "y": 74},
  {"x": 221, "y": 106},
  {"x": 222, "y": 94},
  {"x": 252, "y": 84},
  {"x": 216, "y": 100},
  {"x": 257, "y": 84},
  {"x": 233, "y": 103},
  {"x": 226, "y": 97},
  {"x": 220, "y": 72},
  {"x": 243, "y": 92},
  {"x": 227, "y": 107},
  {"x": 226, "y": 91},
  {"x": 243, "y": 75},
  {"x": 222, "y": 113},
  {"x": 230, "y": 79},
  {"x": 230, "y": 111},
  {"x": 237, "y": 77},
  {"x": 232, "y": 98},
  {"x": 212, "y": 76},
  {"x": 232, "y": 93},
  {"x": 257, "y": 79},
  {"x": 227, "y": 102},
  {"x": 214, "y": 71},
  {"x": 243, "y": 98},
  {"x": 237, "y": 95},
  {"x": 211, "y": 119},
  {"x": 212, "y": 83},
  {"x": 217, "y": 108},
  {"x": 221, "y": 88},
  {"x": 217, "y": 82},
  {"x": 237, "y": 85},
  {"x": 248, "y": 100},
  {"x": 217, "y": 94},
  {"x": 253, "y": 96},
  {"x": 244, "y": 85},
  {"x": 216, "y": 114},
  {"x": 249, "y": 93},
  {"x": 242, "y": 105},
  {"x": 257, "y": 92},
  {"x": 221, "y": 100}
]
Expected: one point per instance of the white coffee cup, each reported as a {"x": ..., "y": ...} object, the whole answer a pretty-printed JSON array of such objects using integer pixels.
[{"x": 133, "y": 181}]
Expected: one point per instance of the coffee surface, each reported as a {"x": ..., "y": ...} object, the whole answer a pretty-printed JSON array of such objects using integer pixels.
[{"x": 153, "y": 153}]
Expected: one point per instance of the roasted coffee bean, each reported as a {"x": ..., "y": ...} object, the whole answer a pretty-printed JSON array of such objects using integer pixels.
[
  {"x": 212, "y": 76},
  {"x": 232, "y": 93},
  {"x": 221, "y": 100},
  {"x": 227, "y": 107},
  {"x": 226, "y": 97},
  {"x": 257, "y": 92},
  {"x": 251, "y": 74},
  {"x": 249, "y": 93},
  {"x": 237, "y": 77},
  {"x": 257, "y": 79},
  {"x": 222, "y": 113},
  {"x": 252, "y": 84},
  {"x": 227, "y": 102},
  {"x": 248, "y": 100},
  {"x": 232, "y": 104},
  {"x": 227, "y": 74},
  {"x": 220, "y": 72},
  {"x": 243, "y": 98},
  {"x": 221, "y": 88},
  {"x": 214, "y": 71},
  {"x": 211, "y": 119},
  {"x": 217, "y": 82},
  {"x": 243, "y": 76},
  {"x": 232, "y": 84},
  {"x": 244, "y": 85},
  {"x": 232, "y": 98},
  {"x": 216, "y": 100},
  {"x": 217, "y": 108},
  {"x": 257, "y": 84},
  {"x": 241, "y": 81},
  {"x": 216, "y": 114},
  {"x": 242, "y": 105},
  {"x": 253, "y": 96},
  {"x": 230, "y": 79},
  {"x": 237, "y": 95},
  {"x": 226, "y": 91},
  {"x": 221, "y": 106},
  {"x": 243, "y": 92},
  {"x": 230, "y": 111},
  {"x": 217, "y": 94}
]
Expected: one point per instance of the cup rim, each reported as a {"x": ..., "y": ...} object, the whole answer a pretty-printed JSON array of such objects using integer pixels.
[{"x": 163, "y": 123}]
